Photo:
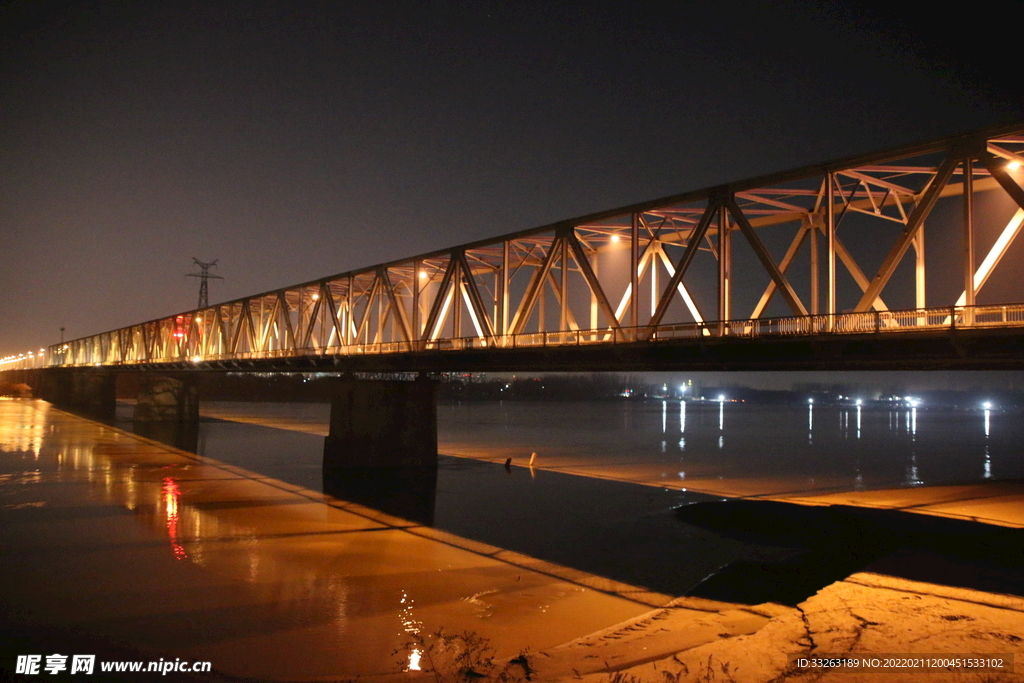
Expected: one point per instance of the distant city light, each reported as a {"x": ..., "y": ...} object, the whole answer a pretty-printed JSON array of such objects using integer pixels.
[
  {"x": 721, "y": 397},
  {"x": 987, "y": 405},
  {"x": 859, "y": 401},
  {"x": 810, "y": 401}
]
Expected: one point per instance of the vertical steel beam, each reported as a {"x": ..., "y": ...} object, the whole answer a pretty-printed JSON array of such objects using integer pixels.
[
  {"x": 564, "y": 287},
  {"x": 417, "y": 330},
  {"x": 504, "y": 288},
  {"x": 919, "y": 270},
  {"x": 830, "y": 241},
  {"x": 350, "y": 324},
  {"x": 542, "y": 313},
  {"x": 653, "y": 272},
  {"x": 815, "y": 284},
  {"x": 968, "y": 205},
  {"x": 379, "y": 334},
  {"x": 496, "y": 302},
  {"x": 634, "y": 272},
  {"x": 724, "y": 262},
  {"x": 457, "y": 299}
]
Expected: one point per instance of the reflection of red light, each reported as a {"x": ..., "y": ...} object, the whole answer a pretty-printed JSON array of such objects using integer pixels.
[{"x": 170, "y": 496}]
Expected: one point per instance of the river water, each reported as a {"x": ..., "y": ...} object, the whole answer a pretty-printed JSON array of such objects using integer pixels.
[{"x": 608, "y": 475}]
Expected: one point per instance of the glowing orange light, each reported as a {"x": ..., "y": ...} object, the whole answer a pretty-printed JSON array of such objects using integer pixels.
[
  {"x": 170, "y": 496},
  {"x": 1013, "y": 165},
  {"x": 615, "y": 238},
  {"x": 423, "y": 275}
]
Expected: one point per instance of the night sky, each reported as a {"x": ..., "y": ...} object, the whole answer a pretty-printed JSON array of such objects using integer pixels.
[{"x": 292, "y": 141}]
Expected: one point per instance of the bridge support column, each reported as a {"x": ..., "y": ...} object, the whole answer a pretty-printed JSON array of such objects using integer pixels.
[
  {"x": 382, "y": 424},
  {"x": 166, "y": 399},
  {"x": 167, "y": 410},
  {"x": 20, "y": 383},
  {"x": 85, "y": 390}
]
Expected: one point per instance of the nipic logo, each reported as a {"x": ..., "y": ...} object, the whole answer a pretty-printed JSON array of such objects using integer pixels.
[{"x": 55, "y": 663}]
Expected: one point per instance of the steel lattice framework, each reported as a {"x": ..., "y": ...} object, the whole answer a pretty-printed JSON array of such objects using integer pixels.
[{"x": 659, "y": 270}]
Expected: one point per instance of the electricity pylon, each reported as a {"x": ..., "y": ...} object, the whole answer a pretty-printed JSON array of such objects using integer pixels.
[{"x": 204, "y": 277}]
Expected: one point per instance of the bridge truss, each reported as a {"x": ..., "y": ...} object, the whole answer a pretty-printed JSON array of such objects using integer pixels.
[{"x": 822, "y": 250}]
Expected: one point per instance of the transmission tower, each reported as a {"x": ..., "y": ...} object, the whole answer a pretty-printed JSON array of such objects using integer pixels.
[{"x": 204, "y": 277}]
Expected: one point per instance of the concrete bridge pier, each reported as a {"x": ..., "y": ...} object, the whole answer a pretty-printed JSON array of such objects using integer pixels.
[
  {"x": 163, "y": 398},
  {"x": 382, "y": 424},
  {"x": 167, "y": 410},
  {"x": 89, "y": 391}
]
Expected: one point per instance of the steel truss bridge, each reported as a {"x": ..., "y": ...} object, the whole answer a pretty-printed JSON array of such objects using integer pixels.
[{"x": 820, "y": 267}]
